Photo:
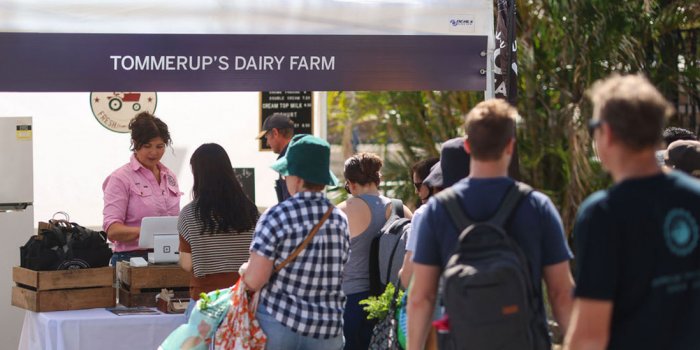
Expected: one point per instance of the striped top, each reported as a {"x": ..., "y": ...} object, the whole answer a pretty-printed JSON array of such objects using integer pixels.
[{"x": 212, "y": 253}]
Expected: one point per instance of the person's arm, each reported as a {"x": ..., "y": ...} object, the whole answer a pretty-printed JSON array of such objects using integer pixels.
[
  {"x": 258, "y": 271},
  {"x": 116, "y": 201},
  {"x": 590, "y": 325},
  {"x": 597, "y": 269},
  {"x": 406, "y": 269},
  {"x": 118, "y": 232},
  {"x": 560, "y": 285},
  {"x": 407, "y": 213},
  {"x": 185, "y": 254},
  {"x": 185, "y": 261},
  {"x": 421, "y": 304}
]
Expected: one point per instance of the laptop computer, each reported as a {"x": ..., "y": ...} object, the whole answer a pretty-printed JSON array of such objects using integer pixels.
[{"x": 160, "y": 234}]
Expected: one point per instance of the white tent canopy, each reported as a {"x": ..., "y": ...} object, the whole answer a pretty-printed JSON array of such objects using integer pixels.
[
  {"x": 408, "y": 17},
  {"x": 65, "y": 131}
]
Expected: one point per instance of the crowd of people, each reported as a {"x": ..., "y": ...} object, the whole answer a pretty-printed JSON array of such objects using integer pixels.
[{"x": 485, "y": 254}]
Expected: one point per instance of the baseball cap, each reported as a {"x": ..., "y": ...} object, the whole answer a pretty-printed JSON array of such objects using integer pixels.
[
  {"x": 452, "y": 167},
  {"x": 276, "y": 121},
  {"x": 434, "y": 178},
  {"x": 309, "y": 158},
  {"x": 684, "y": 155}
]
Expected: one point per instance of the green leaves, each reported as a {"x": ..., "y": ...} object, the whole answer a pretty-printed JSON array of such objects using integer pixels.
[{"x": 378, "y": 307}]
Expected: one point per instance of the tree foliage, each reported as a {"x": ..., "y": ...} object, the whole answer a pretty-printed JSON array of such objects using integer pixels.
[{"x": 563, "y": 47}]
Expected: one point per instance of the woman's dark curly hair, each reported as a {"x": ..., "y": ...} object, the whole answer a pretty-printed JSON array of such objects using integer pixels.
[{"x": 145, "y": 127}]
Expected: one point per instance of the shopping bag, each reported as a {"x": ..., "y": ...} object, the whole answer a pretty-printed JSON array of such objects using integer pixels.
[
  {"x": 240, "y": 330},
  {"x": 385, "y": 335},
  {"x": 206, "y": 316}
]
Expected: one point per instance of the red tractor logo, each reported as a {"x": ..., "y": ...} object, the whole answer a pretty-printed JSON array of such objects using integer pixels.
[
  {"x": 114, "y": 110},
  {"x": 116, "y": 102}
]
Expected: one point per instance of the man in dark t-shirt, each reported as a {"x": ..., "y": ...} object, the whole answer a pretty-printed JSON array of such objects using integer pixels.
[
  {"x": 535, "y": 224},
  {"x": 638, "y": 267}
]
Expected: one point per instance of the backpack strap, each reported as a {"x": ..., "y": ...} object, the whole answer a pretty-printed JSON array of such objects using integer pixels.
[
  {"x": 511, "y": 200},
  {"x": 449, "y": 198},
  {"x": 397, "y": 207}
]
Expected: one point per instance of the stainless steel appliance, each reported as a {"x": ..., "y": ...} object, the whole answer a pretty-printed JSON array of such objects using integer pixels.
[{"x": 16, "y": 214}]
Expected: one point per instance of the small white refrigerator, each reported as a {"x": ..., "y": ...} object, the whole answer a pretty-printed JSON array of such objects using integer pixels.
[{"x": 16, "y": 214}]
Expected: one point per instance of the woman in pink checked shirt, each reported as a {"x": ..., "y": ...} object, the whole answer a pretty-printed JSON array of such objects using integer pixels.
[{"x": 143, "y": 187}]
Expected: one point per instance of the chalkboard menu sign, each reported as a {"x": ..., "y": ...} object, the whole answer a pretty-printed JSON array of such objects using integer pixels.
[
  {"x": 298, "y": 105},
  {"x": 246, "y": 176}
]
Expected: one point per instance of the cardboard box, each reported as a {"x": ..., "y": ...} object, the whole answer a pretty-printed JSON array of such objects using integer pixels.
[
  {"x": 63, "y": 289},
  {"x": 138, "y": 286}
]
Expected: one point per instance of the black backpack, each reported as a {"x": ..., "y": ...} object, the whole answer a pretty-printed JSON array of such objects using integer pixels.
[
  {"x": 387, "y": 250},
  {"x": 64, "y": 245},
  {"x": 488, "y": 293}
]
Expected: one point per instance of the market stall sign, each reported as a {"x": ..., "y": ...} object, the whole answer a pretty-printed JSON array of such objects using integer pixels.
[
  {"x": 59, "y": 62},
  {"x": 297, "y": 105}
]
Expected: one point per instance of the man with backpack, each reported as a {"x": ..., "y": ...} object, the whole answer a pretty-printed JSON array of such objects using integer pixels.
[
  {"x": 499, "y": 265},
  {"x": 638, "y": 261}
]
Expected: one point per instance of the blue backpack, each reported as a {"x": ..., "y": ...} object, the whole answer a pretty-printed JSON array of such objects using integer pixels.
[{"x": 488, "y": 293}]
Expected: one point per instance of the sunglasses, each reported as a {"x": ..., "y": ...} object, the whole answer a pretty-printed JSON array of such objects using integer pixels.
[
  {"x": 594, "y": 124},
  {"x": 418, "y": 185}
]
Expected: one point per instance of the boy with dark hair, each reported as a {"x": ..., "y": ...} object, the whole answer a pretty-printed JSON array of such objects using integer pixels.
[
  {"x": 684, "y": 155},
  {"x": 638, "y": 268},
  {"x": 672, "y": 134}
]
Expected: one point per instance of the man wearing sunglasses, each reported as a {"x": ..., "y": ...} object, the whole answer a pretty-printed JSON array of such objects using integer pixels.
[{"x": 638, "y": 261}]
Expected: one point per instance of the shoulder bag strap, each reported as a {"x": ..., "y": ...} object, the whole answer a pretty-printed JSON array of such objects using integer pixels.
[{"x": 306, "y": 241}]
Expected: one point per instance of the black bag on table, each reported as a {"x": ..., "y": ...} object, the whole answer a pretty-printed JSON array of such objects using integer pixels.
[{"x": 64, "y": 245}]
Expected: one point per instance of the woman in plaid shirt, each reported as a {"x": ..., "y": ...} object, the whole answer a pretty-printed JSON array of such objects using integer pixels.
[{"x": 301, "y": 306}]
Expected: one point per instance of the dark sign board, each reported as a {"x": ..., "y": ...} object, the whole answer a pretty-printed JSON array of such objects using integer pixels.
[
  {"x": 246, "y": 176},
  {"x": 297, "y": 105},
  {"x": 82, "y": 62}
]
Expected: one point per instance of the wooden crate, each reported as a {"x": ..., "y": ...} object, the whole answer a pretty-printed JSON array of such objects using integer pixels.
[
  {"x": 138, "y": 286},
  {"x": 63, "y": 289}
]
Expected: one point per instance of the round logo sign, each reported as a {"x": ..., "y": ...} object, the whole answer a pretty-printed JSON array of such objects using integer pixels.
[
  {"x": 114, "y": 110},
  {"x": 680, "y": 232}
]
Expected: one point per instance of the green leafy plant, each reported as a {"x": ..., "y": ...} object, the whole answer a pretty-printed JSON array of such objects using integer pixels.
[{"x": 378, "y": 307}]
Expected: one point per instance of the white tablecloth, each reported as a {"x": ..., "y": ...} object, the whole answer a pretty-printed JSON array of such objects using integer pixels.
[{"x": 95, "y": 329}]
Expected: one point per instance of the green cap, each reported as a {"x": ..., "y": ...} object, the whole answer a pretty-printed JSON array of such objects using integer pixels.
[{"x": 309, "y": 158}]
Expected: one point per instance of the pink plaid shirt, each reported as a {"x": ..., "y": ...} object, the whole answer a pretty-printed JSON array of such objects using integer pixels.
[{"x": 132, "y": 193}]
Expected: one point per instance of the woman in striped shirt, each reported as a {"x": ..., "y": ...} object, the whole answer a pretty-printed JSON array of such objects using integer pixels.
[{"x": 216, "y": 227}]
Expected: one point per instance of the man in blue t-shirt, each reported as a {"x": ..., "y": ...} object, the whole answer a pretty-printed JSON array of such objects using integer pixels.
[
  {"x": 535, "y": 224},
  {"x": 638, "y": 267}
]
